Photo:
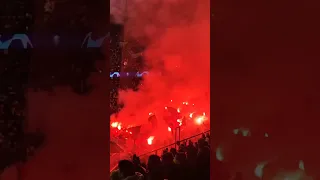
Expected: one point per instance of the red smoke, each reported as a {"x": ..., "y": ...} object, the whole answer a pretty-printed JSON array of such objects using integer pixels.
[{"x": 177, "y": 36}]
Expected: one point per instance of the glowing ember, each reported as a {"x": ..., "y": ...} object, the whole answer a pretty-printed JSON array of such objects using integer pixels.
[
  {"x": 185, "y": 103},
  {"x": 150, "y": 139},
  {"x": 199, "y": 120},
  {"x": 182, "y": 116},
  {"x": 114, "y": 124}
]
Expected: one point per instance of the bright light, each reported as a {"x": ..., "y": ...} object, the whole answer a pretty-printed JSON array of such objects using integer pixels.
[
  {"x": 191, "y": 115},
  {"x": 166, "y": 107},
  {"x": 171, "y": 100},
  {"x": 169, "y": 129},
  {"x": 178, "y": 110},
  {"x": 199, "y": 120},
  {"x": 150, "y": 113},
  {"x": 150, "y": 139},
  {"x": 180, "y": 122},
  {"x": 114, "y": 124}
]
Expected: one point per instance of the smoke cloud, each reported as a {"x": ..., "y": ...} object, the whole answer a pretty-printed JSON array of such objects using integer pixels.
[{"x": 177, "y": 36}]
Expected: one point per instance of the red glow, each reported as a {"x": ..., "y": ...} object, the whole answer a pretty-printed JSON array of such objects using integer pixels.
[
  {"x": 200, "y": 120},
  {"x": 178, "y": 119},
  {"x": 150, "y": 140},
  {"x": 114, "y": 124},
  {"x": 177, "y": 92}
]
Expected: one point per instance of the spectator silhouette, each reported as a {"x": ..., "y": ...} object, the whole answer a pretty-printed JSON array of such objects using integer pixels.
[
  {"x": 173, "y": 151},
  {"x": 126, "y": 171},
  {"x": 137, "y": 165},
  {"x": 203, "y": 163},
  {"x": 185, "y": 171},
  {"x": 170, "y": 169},
  {"x": 155, "y": 170}
]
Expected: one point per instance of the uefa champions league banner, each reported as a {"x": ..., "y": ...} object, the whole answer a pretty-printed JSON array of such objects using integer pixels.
[
  {"x": 26, "y": 42},
  {"x": 88, "y": 42}
]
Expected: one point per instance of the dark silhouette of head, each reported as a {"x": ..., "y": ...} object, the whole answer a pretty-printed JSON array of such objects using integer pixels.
[
  {"x": 154, "y": 162},
  {"x": 126, "y": 168},
  {"x": 167, "y": 158}
]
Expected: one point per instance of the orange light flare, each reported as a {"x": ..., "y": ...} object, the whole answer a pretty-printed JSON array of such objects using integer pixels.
[
  {"x": 116, "y": 125},
  {"x": 150, "y": 140},
  {"x": 185, "y": 103},
  {"x": 200, "y": 120},
  {"x": 169, "y": 129}
]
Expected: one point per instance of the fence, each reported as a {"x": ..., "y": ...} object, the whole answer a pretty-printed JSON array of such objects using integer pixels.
[
  {"x": 156, "y": 151},
  {"x": 173, "y": 145}
]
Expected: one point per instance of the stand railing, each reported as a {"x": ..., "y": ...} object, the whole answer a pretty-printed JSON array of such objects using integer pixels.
[{"x": 173, "y": 144}]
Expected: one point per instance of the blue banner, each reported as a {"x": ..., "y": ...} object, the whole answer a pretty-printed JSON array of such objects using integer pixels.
[{"x": 24, "y": 41}]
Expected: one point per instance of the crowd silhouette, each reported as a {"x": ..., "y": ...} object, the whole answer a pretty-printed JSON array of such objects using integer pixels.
[{"x": 190, "y": 161}]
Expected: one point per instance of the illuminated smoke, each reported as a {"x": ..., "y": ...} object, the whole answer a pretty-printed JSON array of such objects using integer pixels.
[{"x": 177, "y": 57}]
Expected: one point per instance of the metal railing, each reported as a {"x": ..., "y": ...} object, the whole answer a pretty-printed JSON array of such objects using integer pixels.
[
  {"x": 173, "y": 144},
  {"x": 163, "y": 148}
]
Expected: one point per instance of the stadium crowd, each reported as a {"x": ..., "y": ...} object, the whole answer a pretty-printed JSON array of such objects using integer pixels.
[{"x": 190, "y": 161}]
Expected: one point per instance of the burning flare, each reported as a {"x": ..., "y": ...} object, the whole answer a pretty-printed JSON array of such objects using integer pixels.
[{"x": 150, "y": 140}]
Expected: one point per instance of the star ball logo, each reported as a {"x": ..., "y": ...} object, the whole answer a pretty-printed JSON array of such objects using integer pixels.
[
  {"x": 88, "y": 42},
  {"x": 23, "y": 40}
]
